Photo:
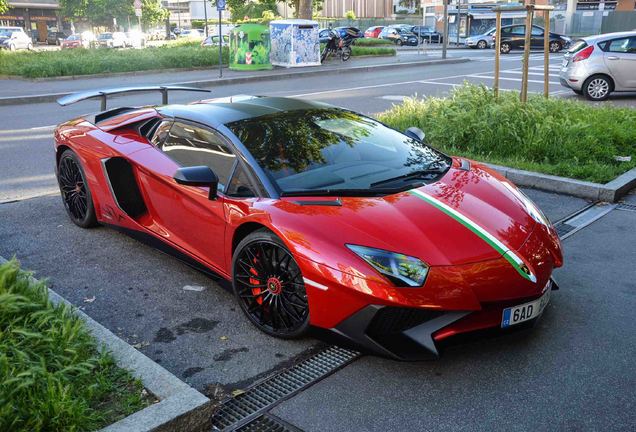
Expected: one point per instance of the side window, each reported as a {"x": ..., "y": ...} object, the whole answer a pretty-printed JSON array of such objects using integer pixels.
[
  {"x": 190, "y": 145},
  {"x": 537, "y": 31},
  {"x": 624, "y": 45},
  {"x": 519, "y": 30},
  {"x": 160, "y": 133},
  {"x": 240, "y": 186}
]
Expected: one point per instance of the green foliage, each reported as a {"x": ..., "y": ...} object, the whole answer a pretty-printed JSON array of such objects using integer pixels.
[
  {"x": 371, "y": 51},
  {"x": 373, "y": 42},
  {"x": 52, "y": 376},
  {"x": 553, "y": 136},
  {"x": 178, "y": 54},
  {"x": 153, "y": 13},
  {"x": 350, "y": 15},
  {"x": 251, "y": 9},
  {"x": 99, "y": 12},
  {"x": 4, "y": 6}
]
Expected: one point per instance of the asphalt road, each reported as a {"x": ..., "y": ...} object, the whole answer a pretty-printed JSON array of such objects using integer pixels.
[{"x": 574, "y": 371}]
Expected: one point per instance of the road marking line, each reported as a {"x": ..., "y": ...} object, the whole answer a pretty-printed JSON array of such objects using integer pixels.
[
  {"x": 513, "y": 79},
  {"x": 29, "y": 130},
  {"x": 24, "y": 137},
  {"x": 529, "y": 73}
]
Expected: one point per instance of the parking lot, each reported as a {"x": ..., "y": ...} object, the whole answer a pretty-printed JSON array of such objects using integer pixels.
[{"x": 573, "y": 371}]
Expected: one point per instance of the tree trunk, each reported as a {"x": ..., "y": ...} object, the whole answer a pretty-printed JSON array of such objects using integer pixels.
[{"x": 305, "y": 9}]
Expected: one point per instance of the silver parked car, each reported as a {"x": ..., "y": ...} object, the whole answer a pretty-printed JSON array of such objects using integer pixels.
[
  {"x": 481, "y": 41},
  {"x": 596, "y": 66}
]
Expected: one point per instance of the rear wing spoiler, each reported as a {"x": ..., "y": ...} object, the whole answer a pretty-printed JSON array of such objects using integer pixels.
[{"x": 104, "y": 93}]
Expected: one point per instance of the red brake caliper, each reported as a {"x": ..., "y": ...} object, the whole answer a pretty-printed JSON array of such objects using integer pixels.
[{"x": 256, "y": 290}]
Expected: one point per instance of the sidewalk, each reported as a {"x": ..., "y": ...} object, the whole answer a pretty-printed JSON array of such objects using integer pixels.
[{"x": 16, "y": 91}]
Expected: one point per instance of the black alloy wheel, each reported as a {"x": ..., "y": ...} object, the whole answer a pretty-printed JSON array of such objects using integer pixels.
[
  {"x": 75, "y": 192},
  {"x": 505, "y": 47},
  {"x": 399, "y": 42},
  {"x": 269, "y": 286},
  {"x": 554, "y": 47}
]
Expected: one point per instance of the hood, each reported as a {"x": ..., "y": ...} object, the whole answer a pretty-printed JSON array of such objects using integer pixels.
[{"x": 468, "y": 216}]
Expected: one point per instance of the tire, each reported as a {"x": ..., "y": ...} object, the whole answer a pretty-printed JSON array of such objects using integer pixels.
[
  {"x": 555, "y": 47},
  {"x": 76, "y": 195},
  {"x": 399, "y": 42},
  {"x": 578, "y": 92},
  {"x": 30, "y": 46},
  {"x": 269, "y": 287},
  {"x": 597, "y": 88},
  {"x": 346, "y": 54},
  {"x": 12, "y": 47},
  {"x": 505, "y": 48},
  {"x": 482, "y": 44}
]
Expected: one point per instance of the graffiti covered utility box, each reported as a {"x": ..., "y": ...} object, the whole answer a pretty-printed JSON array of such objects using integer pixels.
[
  {"x": 249, "y": 47},
  {"x": 294, "y": 43}
]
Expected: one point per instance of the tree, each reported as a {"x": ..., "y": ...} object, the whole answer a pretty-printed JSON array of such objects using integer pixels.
[
  {"x": 305, "y": 9},
  {"x": 350, "y": 15},
  {"x": 152, "y": 12},
  {"x": 4, "y": 6}
]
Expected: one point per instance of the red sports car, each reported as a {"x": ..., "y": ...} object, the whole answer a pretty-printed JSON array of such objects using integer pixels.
[{"x": 319, "y": 216}]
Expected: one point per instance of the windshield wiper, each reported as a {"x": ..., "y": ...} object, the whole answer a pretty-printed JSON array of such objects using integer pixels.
[
  {"x": 337, "y": 192},
  {"x": 415, "y": 175}
]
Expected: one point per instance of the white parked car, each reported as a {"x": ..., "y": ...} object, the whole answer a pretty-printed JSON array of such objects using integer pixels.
[
  {"x": 112, "y": 40},
  {"x": 135, "y": 39},
  {"x": 14, "y": 38},
  {"x": 596, "y": 66},
  {"x": 191, "y": 34}
]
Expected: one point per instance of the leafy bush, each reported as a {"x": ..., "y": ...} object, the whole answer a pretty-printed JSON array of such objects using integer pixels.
[
  {"x": 373, "y": 42},
  {"x": 177, "y": 54},
  {"x": 371, "y": 51},
  {"x": 553, "y": 136},
  {"x": 52, "y": 376}
]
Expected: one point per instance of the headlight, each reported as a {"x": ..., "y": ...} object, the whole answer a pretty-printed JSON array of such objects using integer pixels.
[{"x": 402, "y": 270}]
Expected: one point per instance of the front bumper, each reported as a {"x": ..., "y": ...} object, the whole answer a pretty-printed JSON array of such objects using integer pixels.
[{"x": 417, "y": 334}]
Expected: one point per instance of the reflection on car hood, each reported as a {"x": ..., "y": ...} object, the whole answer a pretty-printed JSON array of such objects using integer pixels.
[{"x": 408, "y": 224}]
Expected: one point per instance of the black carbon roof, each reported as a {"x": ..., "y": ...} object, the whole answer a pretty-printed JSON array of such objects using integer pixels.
[{"x": 225, "y": 110}]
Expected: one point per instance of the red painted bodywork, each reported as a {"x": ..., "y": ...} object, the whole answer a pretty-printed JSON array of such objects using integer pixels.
[
  {"x": 466, "y": 274},
  {"x": 375, "y": 33}
]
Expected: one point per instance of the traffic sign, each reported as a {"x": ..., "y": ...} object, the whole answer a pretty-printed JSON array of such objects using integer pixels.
[
  {"x": 220, "y": 5},
  {"x": 137, "y": 4}
]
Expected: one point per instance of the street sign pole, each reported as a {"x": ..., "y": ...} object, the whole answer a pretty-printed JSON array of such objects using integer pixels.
[
  {"x": 205, "y": 14},
  {"x": 220, "y": 6},
  {"x": 445, "y": 31}
]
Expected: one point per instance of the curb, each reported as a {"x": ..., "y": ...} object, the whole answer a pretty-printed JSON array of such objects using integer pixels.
[
  {"x": 608, "y": 192},
  {"x": 180, "y": 408},
  {"x": 52, "y": 97}
]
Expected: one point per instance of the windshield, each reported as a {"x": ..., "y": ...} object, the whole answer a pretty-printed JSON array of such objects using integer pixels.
[
  {"x": 6, "y": 32},
  {"x": 333, "y": 151}
]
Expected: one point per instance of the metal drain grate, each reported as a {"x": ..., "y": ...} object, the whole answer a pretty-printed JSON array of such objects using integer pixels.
[
  {"x": 237, "y": 411},
  {"x": 268, "y": 423},
  {"x": 563, "y": 228},
  {"x": 628, "y": 207}
]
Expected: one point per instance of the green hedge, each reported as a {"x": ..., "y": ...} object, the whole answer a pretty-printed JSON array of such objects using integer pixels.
[
  {"x": 45, "y": 64},
  {"x": 52, "y": 377},
  {"x": 373, "y": 42},
  {"x": 553, "y": 136}
]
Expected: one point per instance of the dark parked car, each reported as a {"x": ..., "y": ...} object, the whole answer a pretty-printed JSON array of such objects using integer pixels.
[
  {"x": 351, "y": 31},
  {"x": 399, "y": 36},
  {"x": 55, "y": 37},
  {"x": 427, "y": 34},
  {"x": 513, "y": 36}
]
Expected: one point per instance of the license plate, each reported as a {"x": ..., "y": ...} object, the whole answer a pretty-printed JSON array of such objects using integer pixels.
[{"x": 524, "y": 312}]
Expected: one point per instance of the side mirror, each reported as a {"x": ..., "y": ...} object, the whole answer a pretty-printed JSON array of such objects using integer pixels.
[
  {"x": 198, "y": 176},
  {"x": 416, "y": 133}
]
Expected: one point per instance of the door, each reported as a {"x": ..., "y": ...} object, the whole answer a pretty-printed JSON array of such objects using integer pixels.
[
  {"x": 184, "y": 215},
  {"x": 517, "y": 36},
  {"x": 620, "y": 58},
  {"x": 536, "y": 37}
]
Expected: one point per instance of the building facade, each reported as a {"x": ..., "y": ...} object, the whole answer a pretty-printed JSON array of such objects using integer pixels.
[
  {"x": 35, "y": 17},
  {"x": 361, "y": 8}
]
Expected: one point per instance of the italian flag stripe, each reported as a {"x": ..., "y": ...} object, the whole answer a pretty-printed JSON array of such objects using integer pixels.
[{"x": 509, "y": 255}]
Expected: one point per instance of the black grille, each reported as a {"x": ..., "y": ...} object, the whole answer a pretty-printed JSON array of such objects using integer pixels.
[
  {"x": 281, "y": 386},
  {"x": 392, "y": 320},
  {"x": 268, "y": 423}
]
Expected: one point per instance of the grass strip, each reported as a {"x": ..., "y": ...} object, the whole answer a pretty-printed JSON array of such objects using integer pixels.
[
  {"x": 552, "y": 136},
  {"x": 53, "y": 375}
]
